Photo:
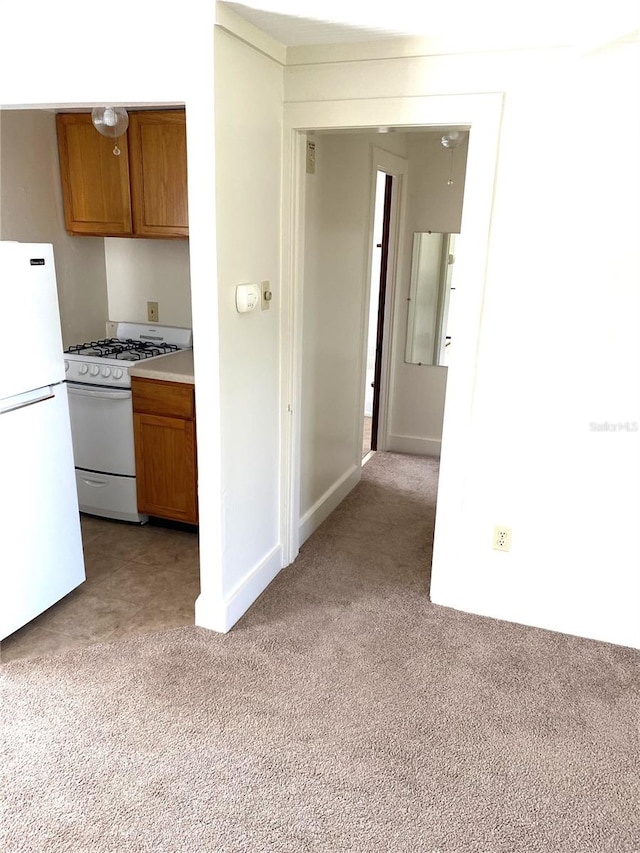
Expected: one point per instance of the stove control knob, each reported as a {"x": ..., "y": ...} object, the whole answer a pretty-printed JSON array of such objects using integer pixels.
[
  {"x": 66, "y": 366},
  {"x": 106, "y": 371},
  {"x": 94, "y": 370},
  {"x": 83, "y": 368},
  {"x": 117, "y": 373}
]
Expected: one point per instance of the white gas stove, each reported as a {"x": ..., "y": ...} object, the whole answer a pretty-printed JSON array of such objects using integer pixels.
[
  {"x": 100, "y": 405},
  {"x": 106, "y": 362}
]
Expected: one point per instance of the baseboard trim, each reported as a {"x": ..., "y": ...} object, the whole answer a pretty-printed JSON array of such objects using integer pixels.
[
  {"x": 412, "y": 444},
  {"x": 222, "y": 615},
  {"x": 322, "y": 508}
]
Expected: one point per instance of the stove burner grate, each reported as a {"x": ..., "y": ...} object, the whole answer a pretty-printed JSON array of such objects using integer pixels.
[{"x": 127, "y": 349}]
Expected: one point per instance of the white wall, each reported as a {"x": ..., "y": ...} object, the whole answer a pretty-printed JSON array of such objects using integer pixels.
[
  {"x": 139, "y": 271},
  {"x": 248, "y": 112},
  {"x": 557, "y": 339},
  {"x": 560, "y": 334},
  {"x": 416, "y": 408},
  {"x": 31, "y": 211},
  {"x": 338, "y": 220}
]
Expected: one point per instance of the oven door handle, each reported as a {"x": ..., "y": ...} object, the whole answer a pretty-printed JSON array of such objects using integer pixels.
[
  {"x": 103, "y": 393},
  {"x": 97, "y": 484}
]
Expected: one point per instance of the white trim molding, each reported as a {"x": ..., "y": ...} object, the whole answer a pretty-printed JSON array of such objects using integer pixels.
[
  {"x": 413, "y": 445},
  {"x": 228, "y": 20},
  {"x": 220, "y": 613},
  {"x": 325, "y": 505},
  {"x": 397, "y": 167}
]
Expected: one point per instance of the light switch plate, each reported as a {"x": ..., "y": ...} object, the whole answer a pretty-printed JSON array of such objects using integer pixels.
[{"x": 267, "y": 295}]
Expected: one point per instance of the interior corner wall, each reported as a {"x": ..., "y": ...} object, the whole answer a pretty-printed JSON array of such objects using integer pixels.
[
  {"x": 417, "y": 398},
  {"x": 248, "y": 113},
  {"x": 31, "y": 211}
]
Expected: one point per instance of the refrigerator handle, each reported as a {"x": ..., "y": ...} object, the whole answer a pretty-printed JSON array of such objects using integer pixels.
[{"x": 21, "y": 401}]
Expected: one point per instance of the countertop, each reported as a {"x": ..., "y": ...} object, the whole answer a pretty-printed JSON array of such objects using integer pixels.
[{"x": 175, "y": 367}]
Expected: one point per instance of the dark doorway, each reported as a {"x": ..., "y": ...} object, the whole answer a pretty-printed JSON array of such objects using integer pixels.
[{"x": 379, "y": 267}]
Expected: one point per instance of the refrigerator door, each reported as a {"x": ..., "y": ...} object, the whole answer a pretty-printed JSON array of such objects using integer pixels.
[
  {"x": 41, "y": 558},
  {"x": 31, "y": 343}
]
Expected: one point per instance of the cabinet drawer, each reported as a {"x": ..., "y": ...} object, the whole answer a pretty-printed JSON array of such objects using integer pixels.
[{"x": 158, "y": 397}]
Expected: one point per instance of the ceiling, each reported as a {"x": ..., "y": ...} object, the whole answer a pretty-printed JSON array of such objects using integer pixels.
[
  {"x": 467, "y": 24},
  {"x": 294, "y": 31}
]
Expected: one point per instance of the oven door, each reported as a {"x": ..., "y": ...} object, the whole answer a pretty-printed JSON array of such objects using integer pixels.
[{"x": 102, "y": 429}]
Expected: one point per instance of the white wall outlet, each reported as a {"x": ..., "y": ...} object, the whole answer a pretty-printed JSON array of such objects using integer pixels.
[
  {"x": 267, "y": 295},
  {"x": 152, "y": 312},
  {"x": 501, "y": 538},
  {"x": 111, "y": 328}
]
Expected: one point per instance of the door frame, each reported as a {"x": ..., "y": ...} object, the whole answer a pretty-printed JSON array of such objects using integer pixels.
[
  {"x": 482, "y": 115},
  {"x": 397, "y": 167}
]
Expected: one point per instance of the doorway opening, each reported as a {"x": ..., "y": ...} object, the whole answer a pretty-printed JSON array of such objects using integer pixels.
[
  {"x": 138, "y": 579},
  {"x": 377, "y": 302},
  {"x": 306, "y": 502}
]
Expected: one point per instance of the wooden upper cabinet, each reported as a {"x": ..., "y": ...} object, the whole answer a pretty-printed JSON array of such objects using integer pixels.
[
  {"x": 140, "y": 193},
  {"x": 95, "y": 182},
  {"x": 158, "y": 162}
]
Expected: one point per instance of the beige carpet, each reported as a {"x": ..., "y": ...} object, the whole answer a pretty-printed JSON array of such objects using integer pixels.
[{"x": 343, "y": 713}]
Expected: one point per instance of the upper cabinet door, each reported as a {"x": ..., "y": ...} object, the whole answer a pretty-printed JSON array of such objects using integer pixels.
[
  {"x": 95, "y": 181},
  {"x": 158, "y": 162}
]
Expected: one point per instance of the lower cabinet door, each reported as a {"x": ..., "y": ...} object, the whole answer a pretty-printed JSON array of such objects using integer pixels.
[{"x": 166, "y": 467}]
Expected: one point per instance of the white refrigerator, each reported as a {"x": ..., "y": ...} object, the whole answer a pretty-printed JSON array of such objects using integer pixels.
[{"x": 41, "y": 558}]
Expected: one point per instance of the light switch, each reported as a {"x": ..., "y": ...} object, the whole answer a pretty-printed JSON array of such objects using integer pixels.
[{"x": 247, "y": 297}]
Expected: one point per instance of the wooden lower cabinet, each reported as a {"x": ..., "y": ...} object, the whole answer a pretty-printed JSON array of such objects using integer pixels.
[{"x": 165, "y": 447}]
